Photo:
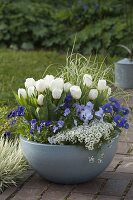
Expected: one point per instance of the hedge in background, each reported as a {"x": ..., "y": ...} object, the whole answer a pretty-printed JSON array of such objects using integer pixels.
[{"x": 48, "y": 24}]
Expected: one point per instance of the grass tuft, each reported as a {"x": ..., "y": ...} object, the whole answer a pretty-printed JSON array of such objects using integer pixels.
[{"x": 12, "y": 163}]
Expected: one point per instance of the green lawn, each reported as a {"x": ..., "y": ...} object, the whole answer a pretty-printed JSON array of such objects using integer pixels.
[{"x": 15, "y": 66}]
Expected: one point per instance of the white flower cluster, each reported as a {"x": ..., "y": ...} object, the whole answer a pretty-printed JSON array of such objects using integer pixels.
[
  {"x": 89, "y": 135},
  {"x": 57, "y": 86}
]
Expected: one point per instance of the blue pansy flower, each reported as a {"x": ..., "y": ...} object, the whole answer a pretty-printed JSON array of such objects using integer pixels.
[
  {"x": 90, "y": 105},
  {"x": 20, "y": 111},
  {"x": 68, "y": 98},
  {"x": 99, "y": 113},
  {"x": 86, "y": 115},
  {"x": 125, "y": 111},
  {"x": 45, "y": 123},
  {"x": 11, "y": 114},
  {"x": 55, "y": 129},
  {"x": 79, "y": 108},
  {"x": 60, "y": 123},
  {"x": 66, "y": 112},
  {"x": 107, "y": 108},
  {"x": 33, "y": 123},
  {"x": 121, "y": 121},
  {"x": 126, "y": 125},
  {"x": 115, "y": 104},
  {"x": 112, "y": 99},
  {"x": 14, "y": 113},
  {"x": 48, "y": 123}
]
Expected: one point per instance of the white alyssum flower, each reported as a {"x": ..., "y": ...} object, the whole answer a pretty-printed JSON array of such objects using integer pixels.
[
  {"x": 67, "y": 86},
  {"x": 48, "y": 80},
  {"x": 30, "y": 82},
  {"x": 89, "y": 135},
  {"x": 76, "y": 92},
  {"x": 40, "y": 99},
  {"x": 31, "y": 91},
  {"x": 93, "y": 94},
  {"x": 102, "y": 85},
  {"x": 57, "y": 83},
  {"x": 56, "y": 93},
  {"x": 87, "y": 80},
  {"x": 22, "y": 92},
  {"x": 41, "y": 85}
]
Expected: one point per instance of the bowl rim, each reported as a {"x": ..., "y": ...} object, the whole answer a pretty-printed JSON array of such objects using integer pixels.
[{"x": 62, "y": 145}]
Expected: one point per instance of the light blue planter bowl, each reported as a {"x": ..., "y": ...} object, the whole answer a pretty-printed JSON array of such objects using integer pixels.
[{"x": 67, "y": 164}]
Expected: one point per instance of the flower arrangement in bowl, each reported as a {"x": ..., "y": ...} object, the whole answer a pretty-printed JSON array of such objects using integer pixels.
[{"x": 69, "y": 125}]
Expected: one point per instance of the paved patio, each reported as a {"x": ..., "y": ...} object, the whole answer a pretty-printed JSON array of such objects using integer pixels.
[{"x": 116, "y": 183}]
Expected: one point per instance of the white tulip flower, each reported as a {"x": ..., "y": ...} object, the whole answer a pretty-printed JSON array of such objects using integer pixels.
[
  {"x": 102, "y": 85},
  {"x": 67, "y": 86},
  {"x": 109, "y": 91},
  {"x": 93, "y": 94},
  {"x": 48, "y": 80},
  {"x": 41, "y": 85},
  {"x": 56, "y": 93},
  {"x": 30, "y": 82},
  {"x": 22, "y": 92},
  {"x": 31, "y": 91},
  {"x": 76, "y": 92},
  {"x": 57, "y": 83},
  {"x": 87, "y": 80},
  {"x": 40, "y": 99}
]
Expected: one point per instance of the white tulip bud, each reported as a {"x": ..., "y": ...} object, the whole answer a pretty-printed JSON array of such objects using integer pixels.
[
  {"x": 22, "y": 92},
  {"x": 48, "y": 80},
  {"x": 67, "y": 86},
  {"x": 93, "y": 94},
  {"x": 109, "y": 91},
  {"x": 31, "y": 91},
  {"x": 102, "y": 85},
  {"x": 57, "y": 83},
  {"x": 40, "y": 99},
  {"x": 75, "y": 92},
  {"x": 30, "y": 82},
  {"x": 41, "y": 85},
  {"x": 87, "y": 80},
  {"x": 56, "y": 93}
]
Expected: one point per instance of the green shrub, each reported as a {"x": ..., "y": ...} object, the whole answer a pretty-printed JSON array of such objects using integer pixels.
[{"x": 53, "y": 24}]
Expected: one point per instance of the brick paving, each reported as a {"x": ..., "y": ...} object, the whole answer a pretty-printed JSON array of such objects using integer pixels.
[{"x": 115, "y": 183}]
